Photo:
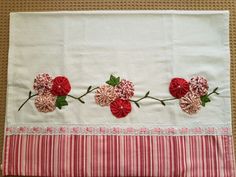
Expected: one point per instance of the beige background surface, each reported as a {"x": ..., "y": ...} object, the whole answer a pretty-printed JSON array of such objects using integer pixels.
[{"x": 7, "y": 6}]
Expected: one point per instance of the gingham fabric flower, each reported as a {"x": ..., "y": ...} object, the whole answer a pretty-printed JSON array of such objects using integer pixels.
[
  {"x": 42, "y": 83},
  {"x": 125, "y": 89},
  {"x": 105, "y": 95},
  {"x": 45, "y": 102},
  {"x": 190, "y": 103},
  {"x": 199, "y": 85}
]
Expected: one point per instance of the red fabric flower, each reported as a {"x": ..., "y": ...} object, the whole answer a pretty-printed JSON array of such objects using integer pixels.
[
  {"x": 178, "y": 87},
  {"x": 120, "y": 108},
  {"x": 61, "y": 86}
]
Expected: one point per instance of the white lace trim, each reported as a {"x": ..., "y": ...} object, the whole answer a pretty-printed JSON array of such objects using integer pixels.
[{"x": 115, "y": 130}]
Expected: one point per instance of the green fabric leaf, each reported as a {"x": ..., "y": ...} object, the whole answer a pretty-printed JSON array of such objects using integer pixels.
[
  {"x": 113, "y": 81},
  {"x": 203, "y": 104},
  {"x": 205, "y": 99},
  {"x": 61, "y": 101}
]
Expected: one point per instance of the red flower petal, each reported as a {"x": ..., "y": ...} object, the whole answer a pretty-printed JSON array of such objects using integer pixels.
[
  {"x": 178, "y": 87},
  {"x": 61, "y": 86},
  {"x": 120, "y": 108}
]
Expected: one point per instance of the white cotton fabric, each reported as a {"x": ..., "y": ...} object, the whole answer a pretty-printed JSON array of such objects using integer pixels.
[{"x": 148, "y": 48}]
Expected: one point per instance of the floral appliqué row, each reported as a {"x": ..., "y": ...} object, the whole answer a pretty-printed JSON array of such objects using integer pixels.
[{"x": 51, "y": 93}]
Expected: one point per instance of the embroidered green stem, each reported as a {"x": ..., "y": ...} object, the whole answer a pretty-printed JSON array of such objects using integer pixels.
[
  {"x": 30, "y": 96},
  {"x": 89, "y": 90},
  {"x": 162, "y": 101},
  {"x": 214, "y": 92}
]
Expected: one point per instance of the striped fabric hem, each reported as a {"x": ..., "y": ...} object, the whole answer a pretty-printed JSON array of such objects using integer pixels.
[{"x": 85, "y": 155}]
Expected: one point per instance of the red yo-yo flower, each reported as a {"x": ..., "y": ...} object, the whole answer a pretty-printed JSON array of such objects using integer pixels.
[
  {"x": 120, "y": 108},
  {"x": 178, "y": 87},
  {"x": 61, "y": 86}
]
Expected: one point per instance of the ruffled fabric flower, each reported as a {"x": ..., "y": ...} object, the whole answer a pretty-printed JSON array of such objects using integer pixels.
[
  {"x": 45, "y": 102},
  {"x": 190, "y": 103},
  {"x": 125, "y": 89},
  {"x": 61, "y": 86},
  {"x": 120, "y": 108},
  {"x": 199, "y": 85},
  {"x": 178, "y": 87},
  {"x": 42, "y": 83},
  {"x": 105, "y": 95}
]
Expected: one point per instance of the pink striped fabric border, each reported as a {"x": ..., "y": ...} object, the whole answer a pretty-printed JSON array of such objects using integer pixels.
[{"x": 84, "y": 155}]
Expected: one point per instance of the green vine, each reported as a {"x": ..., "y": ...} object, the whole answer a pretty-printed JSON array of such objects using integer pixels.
[
  {"x": 89, "y": 90},
  {"x": 29, "y": 97},
  {"x": 162, "y": 101}
]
